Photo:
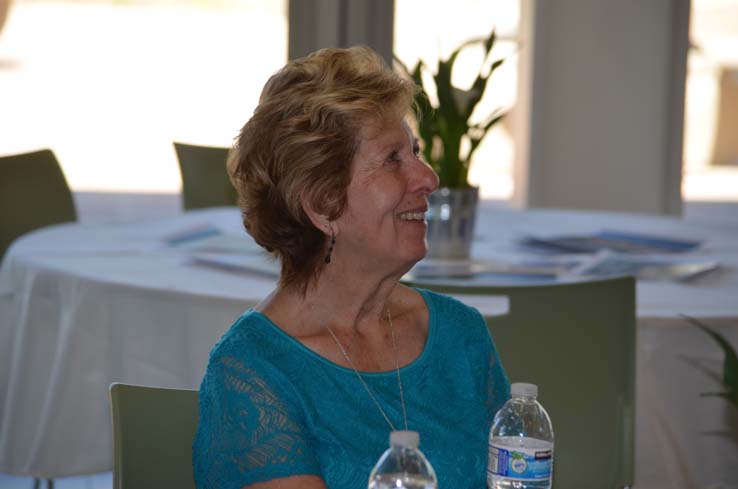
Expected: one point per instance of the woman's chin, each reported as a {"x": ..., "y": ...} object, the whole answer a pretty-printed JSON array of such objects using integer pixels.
[{"x": 415, "y": 257}]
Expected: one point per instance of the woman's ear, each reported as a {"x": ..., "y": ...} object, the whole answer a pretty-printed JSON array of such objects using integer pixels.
[{"x": 319, "y": 220}]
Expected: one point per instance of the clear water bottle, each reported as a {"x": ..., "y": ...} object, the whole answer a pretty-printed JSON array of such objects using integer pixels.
[
  {"x": 521, "y": 443},
  {"x": 403, "y": 465}
]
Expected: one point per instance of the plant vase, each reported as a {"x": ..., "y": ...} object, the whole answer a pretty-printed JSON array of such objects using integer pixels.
[{"x": 451, "y": 216}]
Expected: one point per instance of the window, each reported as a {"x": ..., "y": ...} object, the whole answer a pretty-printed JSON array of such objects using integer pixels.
[
  {"x": 109, "y": 85},
  {"x": 710, "y": 158}
]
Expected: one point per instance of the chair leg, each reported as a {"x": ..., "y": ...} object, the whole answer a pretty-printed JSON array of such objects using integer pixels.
[{"x": 37, "y": 483}]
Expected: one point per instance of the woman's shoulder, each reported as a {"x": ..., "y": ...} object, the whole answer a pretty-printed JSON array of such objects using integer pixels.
[
  {"x": 251, "y": 351},
  {"x": 453, "y": 317},
  {"x": 447, "y": 306},
  {"x": 246, "y": 337}
]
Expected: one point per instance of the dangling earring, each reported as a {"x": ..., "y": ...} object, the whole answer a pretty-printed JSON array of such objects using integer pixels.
[{"x": 330, "y": 248}]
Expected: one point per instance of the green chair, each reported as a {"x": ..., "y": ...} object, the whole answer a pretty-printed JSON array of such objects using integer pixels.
[
  {"x": 576, "y": 341},
  {"x": 205, "y": 181},
  {"x": 33, "y": 194},
  {"x": 153, "y": 429}
]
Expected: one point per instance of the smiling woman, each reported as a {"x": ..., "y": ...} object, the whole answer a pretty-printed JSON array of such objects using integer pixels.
[
  {"x": 291, "y": 163},
  {"x": 386, "y": 198},
  {"x": 302, "y": 390}
]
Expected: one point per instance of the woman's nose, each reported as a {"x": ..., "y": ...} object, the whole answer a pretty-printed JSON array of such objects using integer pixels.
[{"x": 425, "y": 178}]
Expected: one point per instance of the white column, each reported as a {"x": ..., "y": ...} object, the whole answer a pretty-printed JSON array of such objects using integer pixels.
[
  {"x": 601, "y": 104},
  {"x": 315, "y": 24}
]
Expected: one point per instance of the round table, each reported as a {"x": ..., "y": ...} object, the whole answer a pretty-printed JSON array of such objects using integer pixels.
[{"x": 82, "y": 306}]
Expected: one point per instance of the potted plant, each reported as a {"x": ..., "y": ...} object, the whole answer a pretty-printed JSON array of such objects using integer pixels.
[
  {"x": 449, "y": 140},
  {"x": 730, "y": 363}
]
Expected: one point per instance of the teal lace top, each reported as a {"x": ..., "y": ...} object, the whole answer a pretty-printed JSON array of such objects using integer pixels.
[{"x": 270, "y": 407}]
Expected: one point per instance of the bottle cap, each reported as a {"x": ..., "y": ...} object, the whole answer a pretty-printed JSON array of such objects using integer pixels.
[
  {"x": 521, "y": 389},
  {"x": 404, "y": 439}
]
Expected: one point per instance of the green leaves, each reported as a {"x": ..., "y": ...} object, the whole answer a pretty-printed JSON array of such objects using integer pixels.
[
  {"x": 442, "y": 129},
  {"x": 730, "y": 364}
]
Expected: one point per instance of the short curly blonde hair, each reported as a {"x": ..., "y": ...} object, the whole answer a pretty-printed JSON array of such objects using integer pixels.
[{"x": 300, "y": 142}]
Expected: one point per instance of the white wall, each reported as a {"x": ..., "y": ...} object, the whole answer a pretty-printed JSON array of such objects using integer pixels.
[{"x": 601, "y": 104}]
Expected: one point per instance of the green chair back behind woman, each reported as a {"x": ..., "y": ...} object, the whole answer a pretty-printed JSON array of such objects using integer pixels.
[
  {"x": 576, "y": 341},
  {"x": 33, "y": 194},
  {"x": 153, "y": 430},
  {"x": 205, "y": 181}
]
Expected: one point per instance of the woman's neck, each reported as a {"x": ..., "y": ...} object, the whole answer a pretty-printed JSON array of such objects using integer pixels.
[{"x": 347, "y": 303}]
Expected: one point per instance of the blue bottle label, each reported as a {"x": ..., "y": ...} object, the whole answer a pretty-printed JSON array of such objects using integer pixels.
[{"x": 521, "y": 463}]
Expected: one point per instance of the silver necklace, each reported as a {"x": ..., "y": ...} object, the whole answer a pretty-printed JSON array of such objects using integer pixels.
[{"x": 363, "y": 382}]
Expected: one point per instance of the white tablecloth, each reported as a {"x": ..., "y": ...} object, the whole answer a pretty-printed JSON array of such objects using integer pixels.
[{"x": 83, "y": 306}]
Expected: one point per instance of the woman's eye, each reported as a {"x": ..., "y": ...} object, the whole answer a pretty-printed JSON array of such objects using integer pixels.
[
  {"x": 416, "y": 149},
  {"x": 394, "y": 157}
]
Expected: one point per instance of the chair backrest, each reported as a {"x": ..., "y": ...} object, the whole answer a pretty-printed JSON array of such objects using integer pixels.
[
  {"x": 576, "y": 341},
  {"x": 33, "y": 194},
  {"x": 153, "y": 429},
  {"x": 205, "y": 181}
]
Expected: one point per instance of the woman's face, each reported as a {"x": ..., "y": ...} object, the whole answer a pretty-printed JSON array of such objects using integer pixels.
[{"x": 383, "y": 224}]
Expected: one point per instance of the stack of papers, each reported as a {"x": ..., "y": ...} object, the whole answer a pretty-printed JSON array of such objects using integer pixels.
[
  {"x": 255, "y": 264},
  {"x": 192, "y": 234},
  {"x": 606, "y": 253},
  {"x": 609, "y": 253},
  {"x": 488, "y": 272},
  {"x": 465, "y": 269},
  {"x": 608, "y": 264},
  {"x": 208, "y": 246},
  {"x": 617, "y": 241},
  {"x": 209, "y": 239},
  {"x": 603, "y": 254},
  {"x": 599, "y": 265}
]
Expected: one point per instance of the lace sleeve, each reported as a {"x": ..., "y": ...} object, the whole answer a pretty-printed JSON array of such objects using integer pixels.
[{"x": 251, "y": 427}]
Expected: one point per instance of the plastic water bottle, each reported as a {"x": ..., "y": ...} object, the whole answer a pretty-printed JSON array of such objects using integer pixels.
[
  {"x": 403, "y": 465},
  {"x": 521, "y": 443}
]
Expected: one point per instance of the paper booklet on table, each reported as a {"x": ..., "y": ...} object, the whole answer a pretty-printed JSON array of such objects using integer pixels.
[
  {"x": 599, "y": 265},
  {"x": 618, "y": 241},
  {"x": 251, "y": 264},
  {"x": 609, "y": 264},
  {"x": 209, "y": 239},
  {"x": 481, "y": 272}
]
